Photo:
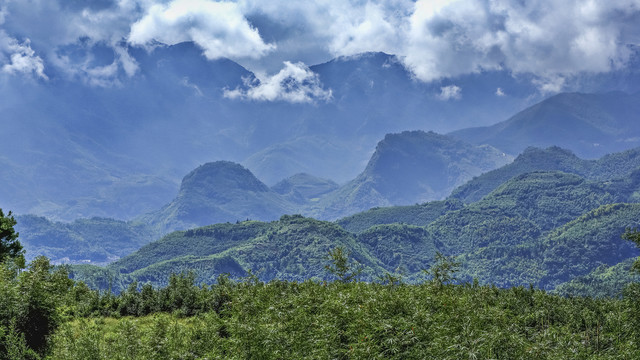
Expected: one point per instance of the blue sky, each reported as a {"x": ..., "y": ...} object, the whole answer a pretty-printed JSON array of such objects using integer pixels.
[{"x": 552, "y": 40}]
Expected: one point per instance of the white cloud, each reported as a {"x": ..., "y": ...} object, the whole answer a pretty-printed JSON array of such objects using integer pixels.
[
  {"x": 552, "y": 40},
  {"x": 52, "y": 25},
  {"x": 19, "y": 57},
  {"x": 450, "y": 92},
  {"x": 294, "y": 83},
  {"x": 545, "y": 38},
  {"x": 128, "y": 63},
  {"x": 550, "y": 84},
  {"x": 366, "y": 29},
  {"x": 103, "y": 76},
  {"x": 188, "y": 84},
  {"x": 219, "y": 27},
  {"x": 499, "y": 92}
]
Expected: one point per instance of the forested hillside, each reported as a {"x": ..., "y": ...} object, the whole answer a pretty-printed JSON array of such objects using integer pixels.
[
  {"x": 97, "y": 240},
  {"x": 611, "y": 166},
  {"x": 420, "y": 215},
  {"x": 541, "y": 228},
  {"x": 292, "y": 248}
]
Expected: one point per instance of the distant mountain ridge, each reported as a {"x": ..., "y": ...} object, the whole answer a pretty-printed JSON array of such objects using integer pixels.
[
  {"x": 407, "y": 168},
  {"x": 303, "y": 188},
  {"x": 541, "y": 227},
  {"x": 591, "y": 125},
  {"x": 218, "y": 192}
]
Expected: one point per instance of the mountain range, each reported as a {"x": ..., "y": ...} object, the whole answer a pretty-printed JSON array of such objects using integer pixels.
[
  {"x": 548, "y": 218},
  {"x": 103, "y": 163},
  {"x": 408, "y": 167},
  {"x": 520, "y": 234},
  {"x": 121, "y": 148}
]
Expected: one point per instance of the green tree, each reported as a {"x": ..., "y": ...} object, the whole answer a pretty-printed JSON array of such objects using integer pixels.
[
  {"x": 340, "y": 266},
  {"x": 443, "y": 269},
  {"x": 633, "y": 235},
  {"x": 10, "y": 247}
]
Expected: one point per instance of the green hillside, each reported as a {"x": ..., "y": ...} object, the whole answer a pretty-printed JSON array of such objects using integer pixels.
[
  {"x": 603, "y": 282},
  {"x": 520, "y": 210},
  {"x": 96, "y": 240},
  {"x": 589, "y": 241},
  {"x": 293, "y": 248},
  {"x": 611, "y": 166},
  {"x": 570, "y": 252},
  {"x": 419, "y": 215},
  {"x": 401, "y": 249}
]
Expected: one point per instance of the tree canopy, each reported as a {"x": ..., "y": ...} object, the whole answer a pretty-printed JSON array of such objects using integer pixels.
[
  {"x": 633, "y": 235},
  {"x": 10, "y": 247}
]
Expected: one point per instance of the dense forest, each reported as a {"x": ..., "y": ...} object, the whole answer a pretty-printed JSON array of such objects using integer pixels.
[{"x": 46, "y": 315}]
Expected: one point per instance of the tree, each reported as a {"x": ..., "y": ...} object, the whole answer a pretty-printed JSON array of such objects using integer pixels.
[
  {"x": 633, "y": 235},
  {"x": 443, "y": 270},
  {"x": 340, "y": 266},
  {"x": 10, "y": 247}
]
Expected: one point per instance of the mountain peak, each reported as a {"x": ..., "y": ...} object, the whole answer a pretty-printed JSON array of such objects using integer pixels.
[
  {"x": 412, "y": 167},
  {"x": 217, "y": 192},
  {"x": 220, "y": 176}
]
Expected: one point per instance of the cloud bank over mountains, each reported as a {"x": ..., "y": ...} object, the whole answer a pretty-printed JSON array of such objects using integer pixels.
[{"x": 551, "y": 40}]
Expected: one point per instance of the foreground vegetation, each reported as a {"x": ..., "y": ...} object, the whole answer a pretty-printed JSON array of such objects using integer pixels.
[
  {"x": 48, "y": 316},
  {"x": 358, "y": 320},
  {"x": 279, "y": 319}
]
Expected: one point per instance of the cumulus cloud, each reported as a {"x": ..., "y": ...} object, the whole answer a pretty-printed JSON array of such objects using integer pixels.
[
  {"x": 19, "y": 58},
  {"x": 545, "y": 38},
  {"x": 294, "y": 83},
  {"x": 220, "y": 28},
  {"x": 53, "y": 26},
  {"x": 450, "y": 92},
  {"x": 435, "y": 39},
  {"x": 500, "y": 92}
]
